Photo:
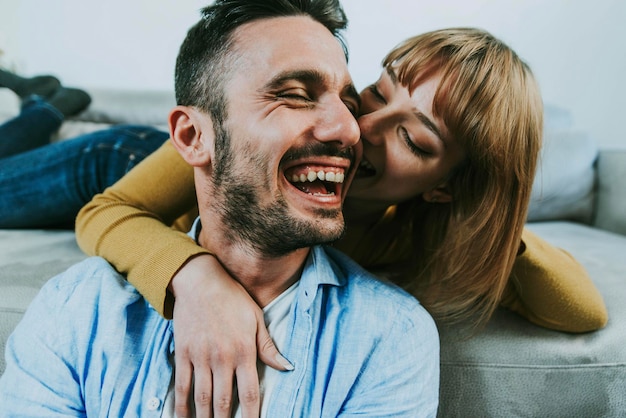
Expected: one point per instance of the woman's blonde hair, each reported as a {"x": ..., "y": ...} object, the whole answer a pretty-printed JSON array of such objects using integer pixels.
[{"x": 491, "y": 105}]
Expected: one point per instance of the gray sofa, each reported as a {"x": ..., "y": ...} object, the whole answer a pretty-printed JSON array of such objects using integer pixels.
[{"x": 511, "y": 368}]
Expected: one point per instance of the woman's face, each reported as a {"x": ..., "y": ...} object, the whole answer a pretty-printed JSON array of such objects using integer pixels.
[{"x": 406, "y": 150}]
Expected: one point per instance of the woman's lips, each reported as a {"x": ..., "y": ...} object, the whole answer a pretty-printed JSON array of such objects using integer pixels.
[{"x": 365, "y": 169}]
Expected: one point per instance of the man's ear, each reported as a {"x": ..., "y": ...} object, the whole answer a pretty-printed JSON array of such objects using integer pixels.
[
  {"x": 192, "y": 134},
  {"x": 440, "y": 194}
]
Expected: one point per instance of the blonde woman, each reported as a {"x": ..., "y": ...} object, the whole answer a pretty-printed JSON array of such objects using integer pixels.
[{"x": 451, "y": 133}]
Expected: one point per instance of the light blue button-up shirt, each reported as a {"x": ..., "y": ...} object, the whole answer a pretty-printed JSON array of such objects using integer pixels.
[{"x": 90, "y": 345}]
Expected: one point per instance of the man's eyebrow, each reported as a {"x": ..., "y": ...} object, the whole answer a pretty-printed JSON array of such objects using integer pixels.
[{"x": 422, "y": 117}]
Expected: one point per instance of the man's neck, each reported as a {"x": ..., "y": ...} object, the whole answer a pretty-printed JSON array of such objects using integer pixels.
[{"x": 265, "y": 278}]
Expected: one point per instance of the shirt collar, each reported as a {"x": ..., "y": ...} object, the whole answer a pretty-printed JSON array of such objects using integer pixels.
[
  {"x": 194, "y": 232},
  {"x": 322, "y": 268}
]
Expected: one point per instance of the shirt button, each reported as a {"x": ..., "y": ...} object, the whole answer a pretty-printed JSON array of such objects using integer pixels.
[{"x": 153, "y": 404}]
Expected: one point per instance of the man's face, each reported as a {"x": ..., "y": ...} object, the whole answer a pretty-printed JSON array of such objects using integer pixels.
[{"x": 290, "y": 122}]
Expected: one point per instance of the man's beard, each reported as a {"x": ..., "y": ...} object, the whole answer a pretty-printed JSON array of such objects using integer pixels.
[{"x": 270, "y": 230}]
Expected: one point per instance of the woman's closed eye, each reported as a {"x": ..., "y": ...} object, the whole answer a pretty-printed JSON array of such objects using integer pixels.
[
  {"x": 377, "y": 94},
  {"x": 415, "y": 149}
]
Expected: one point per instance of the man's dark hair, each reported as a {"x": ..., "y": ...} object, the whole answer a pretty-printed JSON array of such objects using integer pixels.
[{"x": 202, "y": 64}]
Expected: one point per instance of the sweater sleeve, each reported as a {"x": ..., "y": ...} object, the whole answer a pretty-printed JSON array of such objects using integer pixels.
[
  {"x": 137, "y": 224},
  {"x": 551, "y": 289}
]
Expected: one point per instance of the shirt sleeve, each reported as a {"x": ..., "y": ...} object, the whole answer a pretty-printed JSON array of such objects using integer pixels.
[
  {"x": 551, "y": 289},
  {"x": 39, "y": 379},
  {"x": 401, "y": 378},
  {"x": 129, "y": 224}
]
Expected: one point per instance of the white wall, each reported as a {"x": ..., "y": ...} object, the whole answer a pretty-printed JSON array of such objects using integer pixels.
[{"x": 576, "y": 48}]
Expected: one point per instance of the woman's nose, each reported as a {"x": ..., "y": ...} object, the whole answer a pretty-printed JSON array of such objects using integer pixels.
[{"x": 372, "y": 127}]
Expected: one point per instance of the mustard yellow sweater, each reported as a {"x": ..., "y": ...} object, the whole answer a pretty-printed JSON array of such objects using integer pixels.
[{"x": 139, "y": 224}]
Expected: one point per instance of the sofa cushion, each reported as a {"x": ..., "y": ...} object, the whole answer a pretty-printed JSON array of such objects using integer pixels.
[
  {"x": 556, "y": 118},
  {"x": 514, "y": 368},
  {"x": 564, "y": 184},
  {"x": 611, "y": 195}
]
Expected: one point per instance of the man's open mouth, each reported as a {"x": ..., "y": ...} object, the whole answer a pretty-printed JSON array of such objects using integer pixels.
[{"x": 316, "y": 181}]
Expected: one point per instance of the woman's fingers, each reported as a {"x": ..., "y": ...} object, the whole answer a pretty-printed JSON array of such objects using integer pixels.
[
  {"x": 215, "y": 333},
  {"x": 268, "y": 353},
  {"x": 183, "y": 384}
]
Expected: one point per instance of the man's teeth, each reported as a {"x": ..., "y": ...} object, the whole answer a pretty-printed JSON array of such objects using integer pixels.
[{"x": 312, "y": 175}]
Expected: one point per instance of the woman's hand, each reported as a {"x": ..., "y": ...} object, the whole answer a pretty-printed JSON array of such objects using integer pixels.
[{"x": 218, "y": 330}]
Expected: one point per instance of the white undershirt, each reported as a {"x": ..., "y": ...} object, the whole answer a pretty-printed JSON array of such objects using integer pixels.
[{"x": 275, "y": 315}]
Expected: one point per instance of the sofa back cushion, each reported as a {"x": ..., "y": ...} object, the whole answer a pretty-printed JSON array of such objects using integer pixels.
[
  {"x": 610, "y": 210},
  {"x": 565, "y": 180}
]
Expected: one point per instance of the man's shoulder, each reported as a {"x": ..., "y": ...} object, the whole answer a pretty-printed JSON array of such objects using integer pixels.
[
  {"x": 357, "y": 279},
  {"x": 368, "y": 291},
  {"x": 90, "y": 295},
  {"x": 88, "y": 283},
  {"x": 89, "y": 273}
]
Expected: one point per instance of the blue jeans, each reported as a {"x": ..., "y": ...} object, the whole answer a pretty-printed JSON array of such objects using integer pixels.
[
  {"x": 32, "y": 128},
  {"x": 46, "y": 186}
]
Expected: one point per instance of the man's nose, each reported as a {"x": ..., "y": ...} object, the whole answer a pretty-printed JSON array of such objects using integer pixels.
[{"x": 338, "y": 124}]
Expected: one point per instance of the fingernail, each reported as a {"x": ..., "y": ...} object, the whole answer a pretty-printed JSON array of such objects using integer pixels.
[{"x": 284, "y": 362}]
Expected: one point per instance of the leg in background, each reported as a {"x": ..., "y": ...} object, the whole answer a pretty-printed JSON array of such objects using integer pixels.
[
  {"x": 42, "y": 85},
  {"x": 46, "y": 187},
  {"x": 39, "y": 118},
  {"x": 31, "y": 129}
]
